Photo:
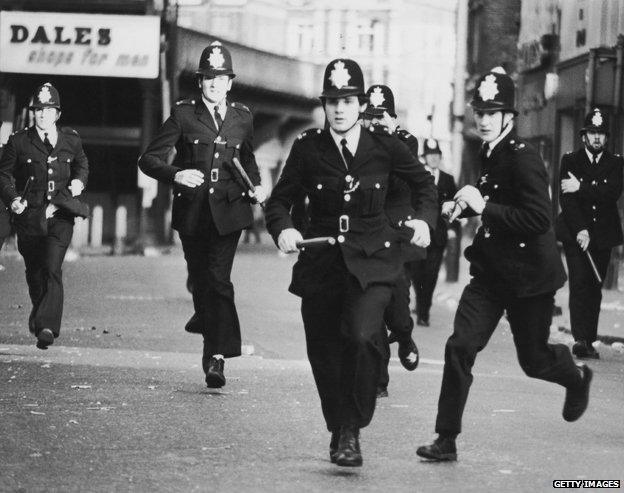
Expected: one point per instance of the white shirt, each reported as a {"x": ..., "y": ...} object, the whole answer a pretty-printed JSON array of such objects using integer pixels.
[
  {"x": 352, "y": 136},
  {"x": 220, "y": 107},
  {"x": 494, "y": 143},
  {"x": 435, "y": 172},
  {"x": 591, "y": 156},
  {"x": 52, "y": 134}
]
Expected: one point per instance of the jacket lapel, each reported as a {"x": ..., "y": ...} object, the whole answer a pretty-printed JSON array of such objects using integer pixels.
[
  {"x": 204, "y": 116},
  {"x": 330, "y": 153},
  {"x": 36, "y": 140},
  {"x": 362, "y": 153}
]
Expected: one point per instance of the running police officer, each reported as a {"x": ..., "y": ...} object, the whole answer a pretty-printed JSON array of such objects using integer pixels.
[
  {"x": 211, "y": 204},
  {"x": 399, "y": 208},
  {"x": 515, "y": 267},
  {"x": 52, "y": 159},
  {"x": 424, "y": 273},
  {"x": 345, "y": 288},
  {"x": 589, "y": 225}
]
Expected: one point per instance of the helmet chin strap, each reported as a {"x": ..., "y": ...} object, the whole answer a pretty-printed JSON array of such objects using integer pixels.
[{"x": 590, "y": 148}]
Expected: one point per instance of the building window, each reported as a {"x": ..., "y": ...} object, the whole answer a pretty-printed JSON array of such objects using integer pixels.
[
  {"x": 580, "y": 37},
  {"x": 580, "y": 14},
  {"x": 366, "y": 37},
  {"x": 304, "y": 38}
]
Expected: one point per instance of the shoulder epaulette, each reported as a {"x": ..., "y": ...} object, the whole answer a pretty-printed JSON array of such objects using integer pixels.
[
  {"x": 379, "y": 129},
  {"x": 240, "y": 106},
  {"x": 517, "y": 144},
  {"x": 190, "y": 102},
  {"x": 309, "y": 133},
  {"x": 20, "y": 131},
  {"x": 569, "y": 152},
  {"x": 69, "y": 130}
]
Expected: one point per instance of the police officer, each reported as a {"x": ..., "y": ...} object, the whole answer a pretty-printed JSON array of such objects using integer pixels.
[
  {"x": 399, "y": 208},
  {"x": 514, "y": 264},
  {"x": 424, "y": 273},
  {"x": 589, "y": 225},
  {"x": 5, "y": 217},
  {"x": 344, "y": 170},
  {"x": 53, "y": 159},
  {"x": 211, "y": 204}
]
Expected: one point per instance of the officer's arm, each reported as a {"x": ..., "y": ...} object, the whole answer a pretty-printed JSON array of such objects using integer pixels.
[
  {"x": 80, "y": 165},
  {"x": 604, "y": 190},
  {"x": 420, "y": 181},
  {"x": 8, "y": 161},
  {"x": 286, "y": 192},
  {"x": 570, "y": 207},
  {"x": 532, "y": 214},
  {"x": 248, "y": 160},
  {"x": 154, "y": 161}
]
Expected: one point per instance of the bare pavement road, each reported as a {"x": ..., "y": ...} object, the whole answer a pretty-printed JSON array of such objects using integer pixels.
[{"x": 119, "y": 404}]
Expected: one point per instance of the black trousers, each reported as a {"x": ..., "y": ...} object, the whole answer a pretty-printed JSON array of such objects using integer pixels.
[
  {"x": 43, "y": 256},
  {"x": 585, "y": 292},
  {"x": 209, "y": 257},
  {"x": 479, "y": 311},
  {"x": 424, "y": 275},
  {"x": 398, "y": 320},
  {"x": 344, "y": 338}
]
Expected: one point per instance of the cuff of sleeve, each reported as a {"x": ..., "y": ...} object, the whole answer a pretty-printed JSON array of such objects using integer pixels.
[{"x": 172, "y": 173}]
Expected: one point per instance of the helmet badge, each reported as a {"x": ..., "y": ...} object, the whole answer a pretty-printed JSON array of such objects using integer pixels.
[
  {"x": 488, "y": 88},
  {"x": 44, "y": 95},
  {"x": 377, "y": 97},
  {"x": 339, "y": 75},
  {"x": 216, "y": 58},
  {"x": 597, "y": 119}
]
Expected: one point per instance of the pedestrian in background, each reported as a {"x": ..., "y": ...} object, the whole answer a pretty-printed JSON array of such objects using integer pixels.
[
  {"x": 344, "y": 171},
  {"x": 5, "y": 216},
  {"x": 424, "y": 273},
  {"x": 211, "y": 203},
  {"x": 514, "y": 264},
  {"x": 589, "y": 225},
  {"x": 53, "y": 159},
  {"x": 399, "y": 208}
]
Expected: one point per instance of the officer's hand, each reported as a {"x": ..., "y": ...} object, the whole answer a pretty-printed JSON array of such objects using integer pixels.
[
  {"x": 189, "y": 178},
  {"x": 582, "y": 238},
  {"x": 388, "y": 122},
  {"x": 287, "y": 241},
  {"x": 18, "y": 205},
  {"x": 447, "y": 208},
  {"x": 472, "y": 197},
  {"x": 76, "y": 187},
  {"x": 570, "y": 185},
  {"x": 421, "y": 237},
  {"x": 259, "y": 194}
]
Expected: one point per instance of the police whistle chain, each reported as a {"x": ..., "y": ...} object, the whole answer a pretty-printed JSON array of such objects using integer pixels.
[
  {"x": 593, "y": 266},
  {"x": 316, "y": 242},
  {"x": 246, "y": 179},
  {"x": 460, "y": 206},
  {"x": 27, "y": 188}
]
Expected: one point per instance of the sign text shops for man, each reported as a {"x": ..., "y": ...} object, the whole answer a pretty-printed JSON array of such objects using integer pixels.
[{"x": 79, "y": 44}]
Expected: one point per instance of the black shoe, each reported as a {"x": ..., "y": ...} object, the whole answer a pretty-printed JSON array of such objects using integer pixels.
[
  {"x": 442, "y": 449},
  {"x": 577, "y": 398},
  {"x": 333, "y": 446},
  {"x": 382, "y": 391},
  {"x": 592, "y": 353},
  {"x": 580, "y": 349},
  {"x": 422, "y": 321},
  {"x": 408, "y": 354},
  {"x": 215, "y": 379},
  {"x": 194, "y": 325},
  {"x": 349, "y": 454},
  {"x": 45, "y": 338}
]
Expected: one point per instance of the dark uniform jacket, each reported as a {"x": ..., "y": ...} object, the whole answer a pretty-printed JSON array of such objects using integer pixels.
[
  {"x": 223, "y": 196},
  {"x": 348, "y": 205},
  {"x": 446, "y": 191},
  {"x": 594, "y": 206},
  {"x": 515, "y": 249},
  {"x": 25, "y": 155},
  {"x": 399, "y": 204},
  {"x": 5, "y": 217}
]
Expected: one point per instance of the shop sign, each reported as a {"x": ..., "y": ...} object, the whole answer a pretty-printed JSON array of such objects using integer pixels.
[{"x": 79, "y": 44}]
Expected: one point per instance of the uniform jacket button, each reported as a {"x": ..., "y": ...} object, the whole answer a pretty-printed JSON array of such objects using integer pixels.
[
  {"x": 387, "y": 244},
  {"x": 349, "y": 178},
  {"x": 216, "y": 155},
  {"x": 178, "y": 194},
  {"x": 50, "y": 171},
  {"x": 522, "y": 245},
  {"x": 211, "y": 190},
  {"x": 319, "y": 187},
  {"x": 377, "y": 185},
  {"x": 49, "y": 197},
  {"x": 347, "y": 197},
  {"x": 29, "y": 160},
  {"x": 486, "y": 198},
  {"x": 341, "y": 239},
  {"x": 196, "y": 141}
]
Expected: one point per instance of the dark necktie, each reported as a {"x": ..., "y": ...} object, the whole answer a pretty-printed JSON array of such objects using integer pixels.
[
  {"x": 218, "y": 118},
  {"x": 483, "y": 151},
  {"x": 594, "y": 160},
  {"x": 346, "y": 153},
  {"x": 46, "y": 142}
]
